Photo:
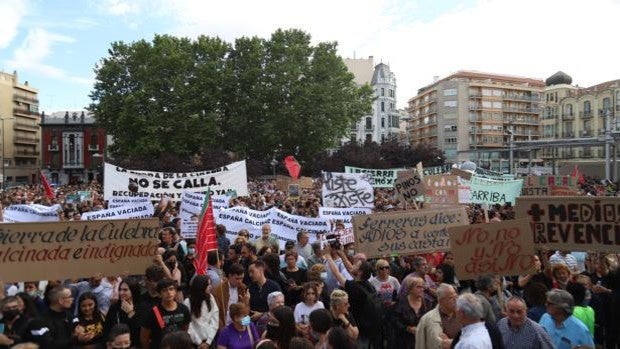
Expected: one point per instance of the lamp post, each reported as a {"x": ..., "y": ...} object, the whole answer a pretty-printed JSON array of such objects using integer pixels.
[
  {"x": 101, "y": 157},
  {"x": 511, "y": 156},
  {"x": 274, "y": 162}
]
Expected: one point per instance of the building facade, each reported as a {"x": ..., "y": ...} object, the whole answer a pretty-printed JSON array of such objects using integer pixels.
[
  {"x": 383, "y": 123},
  {"x": 19, "y": 124},
  {"x": 574, "y": 113},
  {"x": 474, "y": 116},
  {"x": 73, "y": 148}
]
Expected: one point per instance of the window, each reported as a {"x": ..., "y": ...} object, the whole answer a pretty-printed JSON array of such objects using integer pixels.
[
  {"x": 382, "y": 106},
  {"x": 606, "y": 104},
  {"x": 449, "y": 92},
  {"x": 449, "y": 128},
  {"x": 382, "y": 138},
  {"x": 382, "y": 91},
  {"x": 369, "y": 123},
  {"x": 352, "y": 138},
  {"x": 382, "y": 122},
  {"x": 587, "y": 108},
  {"x": 368, "y": 137},
  {"x": 451, "y": 140},
  {"x": 568, "y": 110},
  {"x": 450, "y": 104}
]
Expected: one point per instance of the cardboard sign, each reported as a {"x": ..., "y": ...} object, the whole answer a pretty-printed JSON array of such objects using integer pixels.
[
  {"x": 380, "y": 178},
  {"x": 491, "y": 192},
  {"x": 442, "y": 189},
  {"x": 408, "y": 186},
  {"x": 282, "y": 182},
  {"x": 406, "y": 232},
  {"x": 550, "y": 186},
  {"x": 579, "y": 223},
  {"x": 293, "y": 191},
  {"x": 155, "y": 185},
  {"x": 347, "y": 190},
  {"x": 436, "y": 170},
  {"x": 61, "y": 250},
  {"x": 500, "y": 248}
]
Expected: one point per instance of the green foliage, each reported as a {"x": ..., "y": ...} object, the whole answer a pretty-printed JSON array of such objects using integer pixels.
[{"x": 258, "y": 98}]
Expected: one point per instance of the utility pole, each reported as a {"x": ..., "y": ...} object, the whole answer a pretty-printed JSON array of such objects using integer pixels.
[{"x": 608, "y": 142}]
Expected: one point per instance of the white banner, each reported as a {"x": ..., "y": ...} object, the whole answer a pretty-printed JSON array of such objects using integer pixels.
[
  {"x": 119, "y": 201},
  {"x": 284, "y": 226},
  {"x": 131, "y": 210},
  {"x": 154, "y": 185},
  {"x": 347, "y": 190},
  {"x": 343, "y": 214},
  {"x": 31, "y": 213},
  {"x": 191, "y": 207}
]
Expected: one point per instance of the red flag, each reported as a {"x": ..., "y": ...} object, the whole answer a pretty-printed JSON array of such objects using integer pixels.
[
  {"x": 577, "y": 174},
  {"x": 48, "y": 190},
  {"x": 206, "y": 239},
  {"x": 292, "y": 166}
]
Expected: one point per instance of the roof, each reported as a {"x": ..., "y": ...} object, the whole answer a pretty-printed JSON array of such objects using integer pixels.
[{"x": 78, "y": 117}]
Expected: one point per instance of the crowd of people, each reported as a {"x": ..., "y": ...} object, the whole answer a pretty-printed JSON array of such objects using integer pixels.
[{"x": 320, "y": 295}]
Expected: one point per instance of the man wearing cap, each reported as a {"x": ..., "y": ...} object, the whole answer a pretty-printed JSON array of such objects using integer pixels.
[
  {"x": 301, "y": 261},
  {"x": 565, "y": 330}
]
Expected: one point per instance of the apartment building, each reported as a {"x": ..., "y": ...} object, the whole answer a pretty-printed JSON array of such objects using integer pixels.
[
  {"x": 473, "y": 116},
  {"x": 574, "y": 113},
  {"x": 383, "y": 122},
  {"x": 19, "y": 124}
]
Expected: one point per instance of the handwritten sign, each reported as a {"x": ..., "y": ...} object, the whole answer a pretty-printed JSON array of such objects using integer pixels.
[
  {"x": 582, "y": 223},
  {"x": 282, "y": 182},
  {"x": 461, "y": 173},
  {"x": 500, "y": 248},
  {"x": 61, "y": 250},
  {"x": 436, "y": 170},
  {"x": 550, "y": 186},
  {"x": 442, "y": 189},
  {"x": 380, "y": 178},
  {"x": 406, "y": 232},
  {"x": 408, "y": 186},
  {"x": 347, "y": 190},
  {"x": 490, "y": 191}
]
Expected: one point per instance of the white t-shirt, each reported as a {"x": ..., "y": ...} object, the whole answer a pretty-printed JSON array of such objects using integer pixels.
[
  {"x": 385, "y": 289},
  {"x": 234, "y": 298},
  {"x": 302, "y": 311}
]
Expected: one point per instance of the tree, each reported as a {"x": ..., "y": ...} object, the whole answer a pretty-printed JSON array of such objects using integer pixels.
[{"x": 258, "y": 98}]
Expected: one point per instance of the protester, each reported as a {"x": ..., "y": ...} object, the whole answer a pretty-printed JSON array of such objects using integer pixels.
[
  {"x": 205, "y": 314},
  {"x": 519, "y": 332},
  {"x": 409, "y": 310},
  {"x": 89, "y": 323},
  {"x": 241, "y": 332},
  {"x": 124, "y": 311},
  {"x": 438, "y": 327},
  {"x": 309, "y": 303},
  {"x": 119, "y": 337},
  {"x": 339, "y": 303},
  {"x": 474, "y": 335},
  {"x": 565, "y": 330},
  {"x": 230, "y": 291}
]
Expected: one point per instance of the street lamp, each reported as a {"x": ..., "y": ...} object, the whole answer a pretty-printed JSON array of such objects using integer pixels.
[
  {"x": 4, "y": 152},
  {"x": 274, "y": 162},
  {"x": 511, "y": 156},
  {"x": 101, "y": 157}
]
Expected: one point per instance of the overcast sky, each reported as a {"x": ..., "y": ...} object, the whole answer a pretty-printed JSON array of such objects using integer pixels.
[{"x": 56, "y": 44}]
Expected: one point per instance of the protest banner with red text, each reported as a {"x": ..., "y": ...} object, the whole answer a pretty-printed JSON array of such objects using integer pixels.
[
  {"x": 76, "y": 249},
  {"x": 578, "y": 223},
  {"x": 499, "y": 248},
  {"x": 550, "y": 186}
]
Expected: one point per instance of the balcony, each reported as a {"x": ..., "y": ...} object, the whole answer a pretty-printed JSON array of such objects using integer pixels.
[
  {"x": 568, "y": 135},
  {"x": 26, "y": 153},
  {"x": 24, "y": 126},
  {"x": 517, "y": 97},
  {"x": 522, "y": 110},
  {"x": 73, "y": 164},
  {"x": 475, "y": 107},
  {"x": 26, "y": 140},
  {"x": 586, "y": 154},
  {"x": 25, "y": 112},
  {"x": 18, "y": 97},
  {"x": 585, "y": 114},
  {"x": 568, "y": 116},
  {"x": 585, "y": 133},
  {"x": 52, "y": 147},
  {"x": 603, "y": 112},
  {"x": 475, "y": 95}
]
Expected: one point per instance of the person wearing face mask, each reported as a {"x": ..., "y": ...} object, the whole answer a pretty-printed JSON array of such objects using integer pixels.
[
  {"x": 240, "y": 333},
  {"x": 318, "y": 274},
  {"x": 15, "y": 324},
  {"x": 32, "y": 289},
  {"x": 188, "y": 262}
]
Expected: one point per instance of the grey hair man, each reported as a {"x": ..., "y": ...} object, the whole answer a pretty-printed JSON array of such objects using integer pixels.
[
  {"x": 518, "y": 331},
  {"x": 474, "y": 334},
  {"x": 439, "y": 326},
  {"x": 565, "y": 330},
  {"x": 275, "y": 299}
]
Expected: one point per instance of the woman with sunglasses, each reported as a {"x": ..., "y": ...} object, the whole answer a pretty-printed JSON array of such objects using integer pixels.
[
  {"x": 309, "y": 303},
  {"x": 386, "y": 285}
]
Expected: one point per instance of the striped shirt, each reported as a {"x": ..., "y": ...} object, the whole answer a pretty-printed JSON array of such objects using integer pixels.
[{"x": 529, "y": 336}]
